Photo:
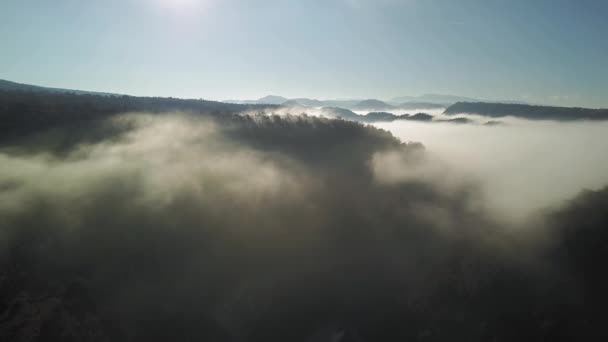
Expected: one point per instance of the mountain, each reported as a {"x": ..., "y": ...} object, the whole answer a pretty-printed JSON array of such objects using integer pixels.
[
  {"x": 421, "y": 105},
  {"x": 14, "y": 86},
  {"x": 459, "y": 121},
  {"x": 268, "y": 100},
  {"x": 349, "y": 104},
  {"x": 292, "y": 103},
  {"x": 372, "y": 117},
  {"x": 345, "y": 114},
  {"x": 362, "y": 105},
  {"x": 434, "y": 98},
  {"x": 272, "y": 99},
  {"x": 439, "y": 98},
  {"x": 403, "y": 99},
  {"x": 380, "y": 117},
  {"x": 497, "y": 110},
  {"x": 373, "y": 105},
  {"x": 340, "y": 113},
  {"x": 27, "y": 109},
  {"x": 421, "y": 117},
  {"x": 308, "y": 102}
]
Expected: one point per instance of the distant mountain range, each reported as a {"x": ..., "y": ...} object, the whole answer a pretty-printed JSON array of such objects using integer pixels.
[
  {"x": 434, "y": 98},
  {"x": 376, "y": 110},
  {"x": 280, "y": 100},
  {"x": 345, "y": 114},
  {"x": 373, "y": 105},
  {"x": 359, "y": 105},
  {"x": 497, "y": 110}
]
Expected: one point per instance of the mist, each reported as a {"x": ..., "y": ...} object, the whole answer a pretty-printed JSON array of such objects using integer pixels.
[
  {"x": 148, "y": 226},
  {"x": 532, "y": 164}
]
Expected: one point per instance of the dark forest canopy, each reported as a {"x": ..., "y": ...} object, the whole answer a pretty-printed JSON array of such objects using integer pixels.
[
  {"x": 23, "y": 112},
  {"x": 524, "y": 111}
]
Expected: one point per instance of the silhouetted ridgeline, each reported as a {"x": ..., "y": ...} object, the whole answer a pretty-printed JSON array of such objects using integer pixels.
[
  {"x": 527, "y": 111},
  {"x": 372, "y": 117},
  {"x": 8, "y": 85},
  {"x": 23, "y": 112},
  {"x": 373, "y": 105},
  {"x": 421, "y": 105}
]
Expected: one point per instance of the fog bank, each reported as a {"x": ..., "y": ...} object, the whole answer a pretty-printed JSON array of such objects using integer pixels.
[
  {"x": 523, "y": 165},
  {"x": 177, "y": 226}
]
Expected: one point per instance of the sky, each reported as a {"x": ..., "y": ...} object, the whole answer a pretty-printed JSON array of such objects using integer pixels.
[{"x": 541, "y": 51}]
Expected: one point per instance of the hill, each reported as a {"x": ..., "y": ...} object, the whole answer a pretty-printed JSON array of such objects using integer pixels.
[
  {"x": 302, "y": 101},
  {"x": 25, "y": 111},
  {"x": 421, "y": 105},
  {"x": 340, "y": 113},
  {"x": 308, "y": 102},
  {"x": 434, "y": 98},
  {"x": 373, "y": 105},
  {"x": 497, "y": 110},
  {"x": 14, "y": 86}
]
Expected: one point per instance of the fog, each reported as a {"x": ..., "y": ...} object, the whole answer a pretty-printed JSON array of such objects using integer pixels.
[
  {"x": 215, "y": 218},
  {"x": 144, "y": 227},
  {"x": 533, "y": 165},
  {"x": 523, "y": 165}
]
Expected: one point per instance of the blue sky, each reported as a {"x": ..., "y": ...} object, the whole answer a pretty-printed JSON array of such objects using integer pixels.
[{"x": 540, "y": 51}]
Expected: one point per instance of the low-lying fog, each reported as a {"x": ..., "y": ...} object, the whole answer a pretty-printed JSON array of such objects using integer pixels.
[
  {"x": 230, "y": 228},
  {"x": 530, "y": 164}
]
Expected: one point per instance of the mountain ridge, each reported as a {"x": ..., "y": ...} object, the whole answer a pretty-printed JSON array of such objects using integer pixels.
[
  {"x": 15, "y": 86},
  {"x": 525, "y": 111}
]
